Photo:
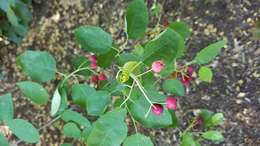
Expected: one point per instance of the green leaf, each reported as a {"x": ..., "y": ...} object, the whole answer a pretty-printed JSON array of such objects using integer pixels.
[
  {"x": 209, "y": 53},
  {"x": 40, "y": 66},
  {"x": 12, "y": 17},
  {"x": 109, "y": 130},
  {"x": 164, "y": 47},
  {"x": 85, "y": 133},
  {"x": 93, "y": 39},
  {"x": 94, "y": 101},
  {"x": 182, "y": 28},
  {"x": 80, "y": 93},
  {"x": 97, "y": 102},
  {"x": 213, "y": 136},
  {"x": 23, "y": 12},
  {"x": 205, "y": 74},
  {"x": 206, "y": 116},
  {"x": 24, "y": 130},
  {"x": 136, "y": 19},
  {"x": 34, "y": 91},
  {"x": 71, "y": 130},
  {"x": 66, "y": 144},
  {"x": 175, "y": 121},
  {"x": 138, "y": 140},
  {"x": 114, "y": 88},
  {"x": 3, "y": 140},
  {"x": 174, "y": 87},
  {"x": 80, "y": 61},
  {"x": 71, "y": 116},
  {"x": 217, "y": 119},
  {"x": 64, "y": 100},
  {"x": 105, "y": 60},
  {"x": 6, "y": 108},
  {"x": 139, "y": 106},
  {"x": 187, "y": 140},
  {"x": 126, "y": 57},
  {"x": 56, "y": 102}
]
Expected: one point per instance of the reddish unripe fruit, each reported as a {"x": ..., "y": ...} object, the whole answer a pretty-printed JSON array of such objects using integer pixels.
[
  {"x": 102, "y": 77},
  {"x": 190, "y": 71},
  {"x": 186, "y": 80},
  {"x": 158, "y": 66},
  {"x": 171, "y": 103},
  {"x": 157, "y": 109},
  {"x": 94, "y": 79},
  {"x": 199, "y": 120},
  {"x": 93, "y": 65},
  {"x": 166, "y": 22},
  {"x": 93, "y": 59}
]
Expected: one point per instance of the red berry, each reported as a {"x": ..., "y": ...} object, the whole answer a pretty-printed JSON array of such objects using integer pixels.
[
  {"x": 157, "y": 109},
  {"x": 93, "y": 65},
  {"x": 102, "y": 77},
  {"x": 185, "y": 80},
  {"x": 166, "y": 22},
  {"x": 94, "y": 79},
  {"x": 171, "y": 103},
  {"x": 93, "y": 59},
  {"x": 190, "y": 71},
  {"x": 158, "y": 66},
  {"x": 199, "y": 120}
]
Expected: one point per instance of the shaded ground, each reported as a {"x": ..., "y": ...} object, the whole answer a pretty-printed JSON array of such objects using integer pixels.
[{"x": 235, "y": 88}]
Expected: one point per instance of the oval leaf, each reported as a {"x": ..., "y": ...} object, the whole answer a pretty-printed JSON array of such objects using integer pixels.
[
  {"x": 40, "y": 66},
  {"x": 166, "y": 46},
  {"x": 24, "y": 130},
  {"x": 205, "y": 74},
  {"x": 34, "y": 91},
  {"x": 80, "y": 93},
  {"x": 182, "y": 28},
  {"x": 217, "y": 119},
  {"x": 93, "y": 39},
  {"x": 70, "y": 115},
  {"x": 209, "y": 53},
  {"x": 187, "y": 140},
  {"x": 56, "y": 102},
  {"x": 138, "y": 140},
  {"x": 6, "y": 108},
  {"x": 3, "y": 140},
  {"x": 213, "y": 136},
  {"x": 174, "y": 87},
  {"x": 136, "y": 19},
  {"x": 109, "y": 130},
  {"x": 139, "y": 106},
  {"x": 71, "y": 130}
]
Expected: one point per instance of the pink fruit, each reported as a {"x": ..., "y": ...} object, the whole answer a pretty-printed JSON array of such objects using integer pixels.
[
  {"x": 157, "y": 109},
  {"x": 185, "y": 80},
  {"x": 93, "y": 65},
  {"x": 199, "y": 120},
  {"x": 158, "y": 66},
  {"x": 190, "y": 70},
  {"x": 102, "y": 77},
  {"x": 166, "y": 22},
  {"x": 94, "y": 79},
  {"x": 93, "y": 59},
  {"x": 171, "y": 103}
]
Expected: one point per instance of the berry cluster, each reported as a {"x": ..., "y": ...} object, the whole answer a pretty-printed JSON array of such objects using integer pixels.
[{"x": 93, "y": 65}]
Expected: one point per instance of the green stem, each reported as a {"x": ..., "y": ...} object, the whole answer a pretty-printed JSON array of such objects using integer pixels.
[
  {"x": 189, "y": 127},
  {"x": 132, "y": 118},
  {"x": 144, "y": 73},
  {"x": 129, "y": 95},
  {"x": 141, "y": 88}
]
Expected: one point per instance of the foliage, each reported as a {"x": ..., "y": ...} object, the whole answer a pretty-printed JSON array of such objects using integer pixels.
[
  {"x": 143, "y": 85},
  {"x": 15, "y": 18}
]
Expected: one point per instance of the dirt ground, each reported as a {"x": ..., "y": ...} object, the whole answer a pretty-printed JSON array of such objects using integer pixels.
[{"x": 235, "y": 89}]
